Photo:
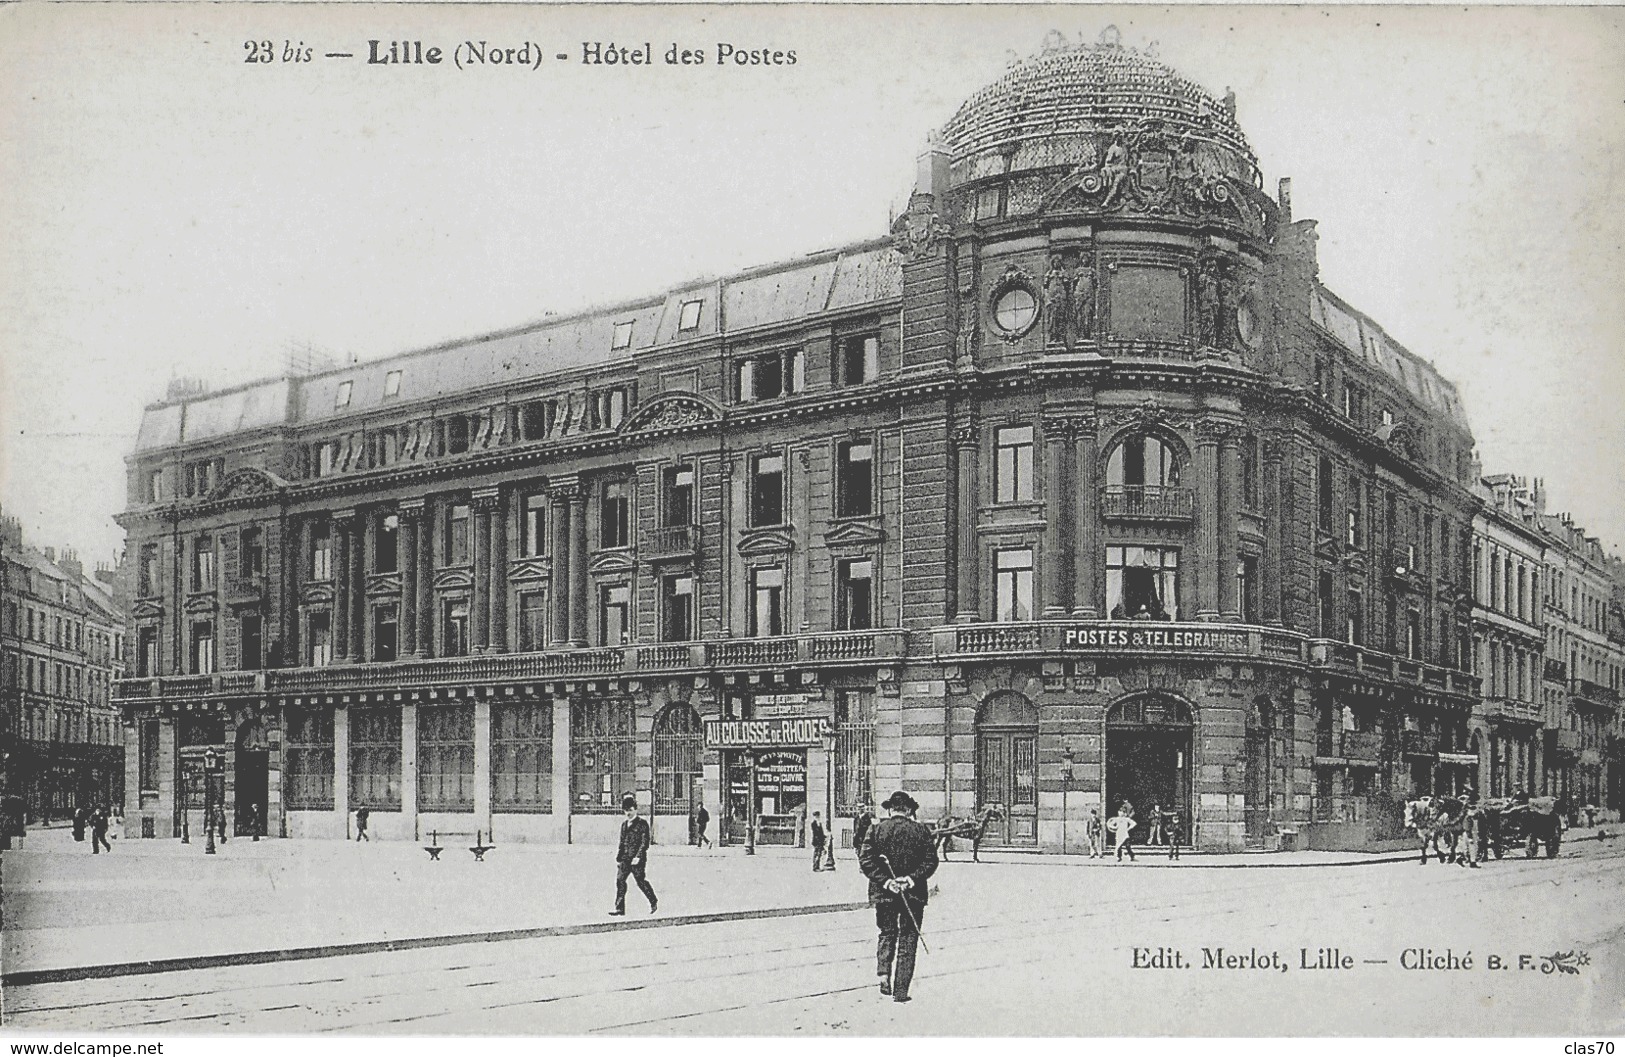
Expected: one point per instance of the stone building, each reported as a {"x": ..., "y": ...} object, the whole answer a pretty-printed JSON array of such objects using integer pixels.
[
  {"x": 61, "y": 635},
  {"x": 1079, "y": 488}
]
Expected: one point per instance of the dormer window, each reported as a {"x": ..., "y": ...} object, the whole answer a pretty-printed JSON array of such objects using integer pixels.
[
  {"x": 769, "y": 376},
  {"x": 342, "y": 400},
  {"x": 689, "y": 317},
  {"x": 392, "y": 384},
  {"x": 623, "y": 336}
]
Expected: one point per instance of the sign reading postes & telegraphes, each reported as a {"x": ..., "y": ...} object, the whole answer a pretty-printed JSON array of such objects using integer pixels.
[
  {"x": 763, "y": 733},
  {"x": 1154, "y": 638}
]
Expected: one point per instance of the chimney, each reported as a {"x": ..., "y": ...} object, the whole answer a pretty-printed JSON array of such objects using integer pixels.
[
  {"x": 50, "y": 554},
  {"x": 931, "y": 175},
  {"x": 71, "y": 565},
  {"x": 1283, "y": 197}
]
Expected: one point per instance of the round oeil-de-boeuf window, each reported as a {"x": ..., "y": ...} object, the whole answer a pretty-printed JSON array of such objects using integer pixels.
[{"x": 1014, "y": 310}]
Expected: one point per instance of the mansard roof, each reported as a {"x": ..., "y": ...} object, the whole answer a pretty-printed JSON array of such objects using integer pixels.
[{"x": 1362, "y": 336}]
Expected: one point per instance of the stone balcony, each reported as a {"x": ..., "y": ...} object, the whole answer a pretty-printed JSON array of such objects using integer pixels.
[
  {"x": 1147, "y": 503},
  {"x": 1335, "y": 655},
  {"x": 1588, "y": 692},
  {"x": 1116, "y": 638},
  {"x": 1511, "y": 709},
  {"x": 671, "y": 543}
]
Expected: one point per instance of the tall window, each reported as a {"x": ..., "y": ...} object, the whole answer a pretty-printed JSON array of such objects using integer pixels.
[
  {"x": 855, "y": 590},
  {"x": 146, "y": 651},
  {"x": 1355, "y": 617},
  {"x": 1142, "y": 583},
  {"x": 855, "y": 479},
  {"x": 854, "y": 751},
  {"x": 307, "y": 781},
  {"x": 533, "y": 532},
  {"x": 1354, "y": 531},
  {"x": 454, "y": 628},
  {"x": 1326, "y": 505},
  {"x": 202, "y": 648},
  {"x": 321, "y": 638},
  {"x": 385, "y": 632},
  {"x": 767, "y": 601},
  {"x": 603, "y": 755},
  {"x": 679, "y": 492},
  {"x": 251, "y": 550},
  {"x": 614, "y": 519},
  {"x": 321, "y": 552},
  {"x": 860, "y": 359},
  {"x": 1249, "y": 472},
  {"x": 677, "y": 608},
  {"x": 1013, "y": 464},
  {"x": 203, "y": 563},
  {"x": 767, "y": 491},
  {"x": 1142, "y": 461},
  {"x": 251, "y": 640},
  {"x": 532, "y": 621},
  {"x": 386, "y": 544},
  {"x": 457, "y": 545},
  {"x": 1247, "y": 588},
  {"x": 156, "y": 492},
  {"x": 375, "y": 757},
  {"x": 147, "y": 573},
  {"x": 614, "y": 614},
  {"x": 446, "y": 758},
  {"x": 149, "y": 756},
  {"x": 679, "y": 748},
  {"x": 1013, "y": 583},
  {"x": 522, "y": 756}
]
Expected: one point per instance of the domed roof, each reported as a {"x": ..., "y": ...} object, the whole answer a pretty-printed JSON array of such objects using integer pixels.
[{"x": 1056, "y": 107}]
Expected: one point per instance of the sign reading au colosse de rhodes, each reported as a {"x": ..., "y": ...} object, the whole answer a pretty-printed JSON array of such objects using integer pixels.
[{"x": 734, "y": 521}]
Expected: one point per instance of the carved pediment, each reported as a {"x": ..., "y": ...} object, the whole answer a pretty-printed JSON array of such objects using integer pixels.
[
  {"x": 200, "y": 603},
  {"x": 671, "y": 411},
  {"x": 855, "y": 534},
  {"x": 779, "y": 540},
  {"x": 250, "y": 480},
  {"x": 320, "y": 593},
  {"x": 383, "y": 584},
  {"x": 147, "y": 609},
  {"x": 453, "y": 580},
  {"x": 527, "y": 569},
  {"x": 609, "y": 562}
]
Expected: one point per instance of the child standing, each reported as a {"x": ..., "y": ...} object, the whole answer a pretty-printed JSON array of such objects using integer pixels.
[{"x": 1122, "y": 825}]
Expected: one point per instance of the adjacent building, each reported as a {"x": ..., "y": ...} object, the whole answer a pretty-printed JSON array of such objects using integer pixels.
[{"x": 1081, "y": 487}]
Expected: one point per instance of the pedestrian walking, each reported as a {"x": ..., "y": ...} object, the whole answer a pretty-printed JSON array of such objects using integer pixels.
[
  {"x": 819, "y": 838},
  {"x": 898, "y": 856},
  {"x": 861, "y": 826},
  {"x": 702, "y": 819},
  {"x": 362, "y": 814},
  {"x": 1174, "y": 831},
  {"x": 255, "y": 822},
  {"x": 80, "y": 817},
  {"x": 632, "y": 857},
  {"x": 98, "y": 831},
  {"x": 1095, "y": 830},
  {"x": 1122, "y": 826}
]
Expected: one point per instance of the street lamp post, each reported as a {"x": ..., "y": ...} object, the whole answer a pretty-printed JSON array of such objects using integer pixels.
[
  {"x": 750, "y": 806},
  {"x": 830, "y": 739},
  {"x": 211, "y": 764},
  {"x": 1066, "y": 787}
]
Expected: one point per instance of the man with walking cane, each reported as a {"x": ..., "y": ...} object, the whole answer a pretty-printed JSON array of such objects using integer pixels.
[{"x": 898, "y": 856}]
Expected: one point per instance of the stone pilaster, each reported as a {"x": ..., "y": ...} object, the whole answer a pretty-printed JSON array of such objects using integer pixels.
[
  {"x": 411, "y": 515},
  {"x": 966, "y": 444}
]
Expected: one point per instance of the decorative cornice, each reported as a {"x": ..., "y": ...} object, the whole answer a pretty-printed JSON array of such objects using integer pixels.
[
  {"x": 864, "y": 533},
  {"x": 529, "y": 569},
  {"x": 671, "y": 412},
  {"x": 606, "y": 563},
  {"x": 778, "y": 540},
  {"x": 453, "y": 580}
]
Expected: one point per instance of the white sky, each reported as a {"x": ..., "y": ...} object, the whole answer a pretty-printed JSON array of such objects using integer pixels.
[{"x": 171, "y": 210}]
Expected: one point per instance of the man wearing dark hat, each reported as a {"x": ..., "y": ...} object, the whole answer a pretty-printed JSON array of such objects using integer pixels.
[
  {"x": 898, "y": 855},
  {"x": 632, "y": 856}
]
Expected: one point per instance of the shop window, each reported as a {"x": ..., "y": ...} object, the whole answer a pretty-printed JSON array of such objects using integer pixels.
[
  {"x": 146, "y": 651},
  {"x": 251, "y": 641},
  {"x": 307, "y": 780},
  {"x": 1142, "y": 583},
  {"x": 446, "y": 758},
  {"x": 148, "y": 757},
  {"x": 1013, "y": 464},
  {"x": 767, "y": 601},
  {"x": 860, "y": 359},
  {"x": 769, "y": 376},
  {"x": 1013, "y": 583},
  {"x": 321, "y": 552},
  {"x": 855, "y": 590},
  {"x": 386, "y": 543},
  {"x": 854, "y": 751},
  {"x": 532, "y": 621},
  {"x": 678, "y": 484},
  {"x": 251, "y": 553},
  {"x": 457, "y": 550},
  {"x": 688, "y": 317},
  {"x": 375, "y": 757},
  {"x": 614, "y": 614},
  {"x": 202, "y": 648},
  {"x": 614, "y": 515},
  {"x": 677, "y": 608},
  {"x": 767, "y": 491},
  {"x": 1143, "y": 461},
  {"x": 522, "y": 756},
  {"x": 537, "y": 418},
  {"x": 321, "y": 639},
  {"x": 855, "y": 479},
  {"x": 603, "y": 755},
  {"x": 146, "y": 574},
  {"x": 385, "y": 633},
  {"x": 533, "y": 526},
  {"x": 454, "y": 628},
  {"x": 203, "y": 563},
  {"x": 679, "y": 748}
]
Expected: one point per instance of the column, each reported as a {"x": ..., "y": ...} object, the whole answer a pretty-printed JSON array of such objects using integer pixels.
[
  {"x": 342, "y": 584},
  {"x": 425, "y": 583},
  {"x": 341, "y": 771},
  {"x": 1269, "y": 573},
  {"x": 561, "y": 763},
  {"x": 482, "y": 765},
  {"x": 1057, "y": 533},
  {"x": 559, "y": 525},
  {"x": 409, "y": 766},
  {"x": 966, "y": 444},
  {"x": 498, "y": 591},
  {"x": 411, "y": 513},
  {"x": 1208, "y": 572},
  {"x": 358, "y": 591},
  {"x": 578, "y": 568},
  {"x": 479, "y": 603},
  {"x": 1086, "y": 554},
  {"x": 1229, "y": 503}
]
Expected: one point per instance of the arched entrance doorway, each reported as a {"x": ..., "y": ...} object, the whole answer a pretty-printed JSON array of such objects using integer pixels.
[
  {"x": 1148, "y": 758},
  {"x": 1007, "y": 766},
  {"x": 252, "y": 777},
  {"x": 1260, "y": 730}
]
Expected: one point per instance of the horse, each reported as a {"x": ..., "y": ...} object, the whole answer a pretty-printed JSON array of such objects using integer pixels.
[
  {"x": 972, "y": 829},
  {"x": 1439, "y": 821}
]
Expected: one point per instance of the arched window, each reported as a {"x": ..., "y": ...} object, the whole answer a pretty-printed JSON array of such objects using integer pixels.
[
  {"x": 1150, "y": 711},
  {"x": 678, "y": 745},
  {"x": 1142, "y": 461}
]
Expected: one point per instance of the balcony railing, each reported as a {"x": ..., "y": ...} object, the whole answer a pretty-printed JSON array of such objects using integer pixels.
[
  {"x": 1347, "y": 657},
  {"x": 671, "y": 543},
  {"x": 1107, "y": 638},
  {"x": 1557, "y": 671},
  {"x": 1147, "y": 503},
  {"x": 241, "y": 591},
  {"x": 1513, "y": 709},
  {"x": 1596, "y": 693}
]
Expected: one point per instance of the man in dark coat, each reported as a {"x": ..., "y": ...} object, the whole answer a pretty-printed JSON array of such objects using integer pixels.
[
  {"x": 861, "y": 826},
  {"x": 632, "y": 856},
  {"x": 898, "y": 855}
]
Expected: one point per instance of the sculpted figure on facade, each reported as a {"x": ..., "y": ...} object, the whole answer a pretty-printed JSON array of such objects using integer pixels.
[
  {"x": 1083, "y": 300},
  {"x": 1057, "y": 303},
  {"x": 1208, "y": 298}
]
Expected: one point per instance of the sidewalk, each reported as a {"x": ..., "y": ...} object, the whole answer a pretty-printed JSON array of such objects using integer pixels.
[{"x": 160, "y": 900}]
